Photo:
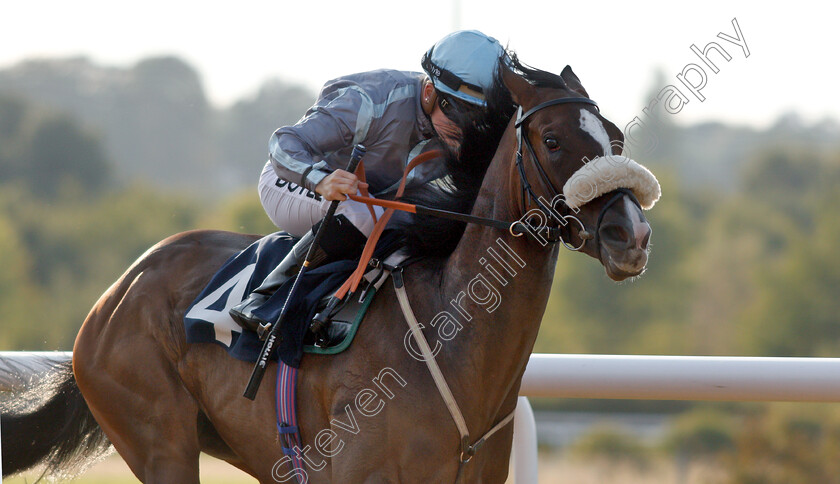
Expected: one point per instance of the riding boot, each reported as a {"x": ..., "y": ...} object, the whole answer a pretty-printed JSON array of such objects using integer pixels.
[
  {"x": 341, "y": 240},
  {"x": 243, "y": 313}
]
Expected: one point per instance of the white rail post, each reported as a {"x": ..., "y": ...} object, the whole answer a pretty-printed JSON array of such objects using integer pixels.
[{"x": 524, "y": 453}]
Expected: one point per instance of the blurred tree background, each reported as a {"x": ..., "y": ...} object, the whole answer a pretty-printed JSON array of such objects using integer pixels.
[
  {"x": 743, "y": 257},
  {"x": 98, "y": 163}
]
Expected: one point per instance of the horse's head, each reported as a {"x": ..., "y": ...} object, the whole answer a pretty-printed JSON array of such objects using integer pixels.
[{"x": 565, "y": 144}]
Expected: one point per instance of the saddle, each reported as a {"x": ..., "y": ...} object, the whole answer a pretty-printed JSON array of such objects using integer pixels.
[
  {"x": 344, "y": 319},
  {"x": 339, "y": 319},
  {"x": 207, "y": 319}
]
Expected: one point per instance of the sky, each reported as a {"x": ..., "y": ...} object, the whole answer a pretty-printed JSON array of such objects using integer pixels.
[{"x": 615, "y": 48}]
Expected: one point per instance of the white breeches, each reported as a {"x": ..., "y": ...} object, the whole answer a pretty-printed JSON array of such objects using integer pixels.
[{"x": 295, "y": 209}]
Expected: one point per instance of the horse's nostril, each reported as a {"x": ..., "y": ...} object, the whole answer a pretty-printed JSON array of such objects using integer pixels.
[
  {"x": 645, "y": 239},
  {"x": 615, "y": 234}
]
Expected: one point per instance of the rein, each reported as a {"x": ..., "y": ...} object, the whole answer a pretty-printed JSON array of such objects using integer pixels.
[{"x": 435, "y": 212}]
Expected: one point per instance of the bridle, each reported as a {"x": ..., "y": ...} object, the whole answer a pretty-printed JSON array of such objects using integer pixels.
[{"x": 562, "y": 214}]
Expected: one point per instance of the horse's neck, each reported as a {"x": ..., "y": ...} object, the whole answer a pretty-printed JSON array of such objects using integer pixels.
[{"x": 500, "y": 285}]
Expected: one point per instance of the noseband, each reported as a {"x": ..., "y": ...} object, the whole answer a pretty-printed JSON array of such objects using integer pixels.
[{"x": 563, "y": 216}]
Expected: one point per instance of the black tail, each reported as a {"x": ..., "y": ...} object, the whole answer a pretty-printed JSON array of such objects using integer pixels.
[{"x": 50, "y": 424}]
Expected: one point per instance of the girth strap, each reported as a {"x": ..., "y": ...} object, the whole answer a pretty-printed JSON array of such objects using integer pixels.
[{"x": 467, "y": 450}]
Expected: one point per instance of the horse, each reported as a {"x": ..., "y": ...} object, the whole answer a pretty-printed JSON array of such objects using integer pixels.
[{"x": 372, "y": 413}]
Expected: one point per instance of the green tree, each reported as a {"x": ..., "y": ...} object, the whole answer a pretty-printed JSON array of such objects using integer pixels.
[
  {"x": 788, "y": 181},
  {"x": 61, "y": 157},
  {"x": 797, "y": 312},
  {"x": 12, "y": 117},
  {"x": 241, "y": 212},
  {"x": 17, "y": 297},
  {"x": 77, "y": 249},
  {"x": 699, "y": 435},
  {"x": 589, "y": 313},
  {"x": 787, "y": 445},
  {"x": 610, "y": 448},
  {"x": 50, "y": 153},
  {"x": 794, "y": 309}
]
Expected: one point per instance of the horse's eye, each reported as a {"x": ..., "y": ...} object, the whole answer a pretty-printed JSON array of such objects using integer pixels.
[{"x": 551, "y": 144}]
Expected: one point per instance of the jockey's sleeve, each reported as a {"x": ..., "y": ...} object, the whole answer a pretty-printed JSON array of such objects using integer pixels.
[{"x": 340, "y": 118}]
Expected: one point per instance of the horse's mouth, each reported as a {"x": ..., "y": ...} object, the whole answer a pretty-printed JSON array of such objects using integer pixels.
[{"x": 624, "y": 265}]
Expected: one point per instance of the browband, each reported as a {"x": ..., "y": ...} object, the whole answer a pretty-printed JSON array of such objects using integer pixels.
[{"x": 563, "y": 100}]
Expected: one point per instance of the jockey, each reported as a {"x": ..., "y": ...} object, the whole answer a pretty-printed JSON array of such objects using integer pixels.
[{"x": 396, "y": 115}]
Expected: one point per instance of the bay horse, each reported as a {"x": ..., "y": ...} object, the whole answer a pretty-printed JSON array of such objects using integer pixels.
[{"x": 372, "y": 413}]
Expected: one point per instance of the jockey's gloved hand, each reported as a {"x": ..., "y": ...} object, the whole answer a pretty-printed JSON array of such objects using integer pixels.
[{"x": 338, "y": 184}]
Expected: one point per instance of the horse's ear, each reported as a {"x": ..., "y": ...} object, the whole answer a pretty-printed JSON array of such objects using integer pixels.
[
  {"x": 572, "y": 81},
  {"x": 520, "y": 89}
]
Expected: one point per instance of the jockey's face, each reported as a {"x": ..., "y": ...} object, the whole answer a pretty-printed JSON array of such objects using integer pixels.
[{"x": 447, "y": 130}]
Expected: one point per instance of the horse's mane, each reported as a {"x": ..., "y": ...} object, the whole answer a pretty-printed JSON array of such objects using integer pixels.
[
  {"x": 427, "y": 236},
  {"x": 537, "y": 77}
]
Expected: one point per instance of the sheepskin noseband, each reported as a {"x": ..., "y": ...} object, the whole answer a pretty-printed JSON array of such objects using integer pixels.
[{"x": 607, "y": 173}]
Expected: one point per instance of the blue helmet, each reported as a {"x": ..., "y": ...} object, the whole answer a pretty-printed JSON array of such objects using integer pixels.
[{"x": 463, "y": 64}]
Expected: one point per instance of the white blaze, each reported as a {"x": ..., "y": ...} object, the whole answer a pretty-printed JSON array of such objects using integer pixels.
[{"x": 595, "y": 128}]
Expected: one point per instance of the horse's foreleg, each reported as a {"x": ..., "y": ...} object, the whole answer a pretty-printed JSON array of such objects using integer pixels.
[{"x": 246, "y": 428}]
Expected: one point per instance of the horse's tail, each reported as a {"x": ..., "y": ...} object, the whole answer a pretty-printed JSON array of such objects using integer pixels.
[{"x": 49, "y": 424}]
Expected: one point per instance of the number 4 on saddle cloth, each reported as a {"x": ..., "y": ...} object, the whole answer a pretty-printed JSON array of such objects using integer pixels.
[{"x": 207, "y": 319}]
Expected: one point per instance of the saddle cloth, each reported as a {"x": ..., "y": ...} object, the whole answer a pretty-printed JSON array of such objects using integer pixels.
[{"x": 207, "y": 319}]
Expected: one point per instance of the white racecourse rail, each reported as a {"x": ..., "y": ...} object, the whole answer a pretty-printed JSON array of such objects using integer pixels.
[
  {"x": 720, "y": 378},
  {"x": 630, "y": 377}
]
